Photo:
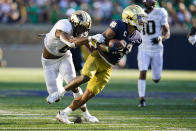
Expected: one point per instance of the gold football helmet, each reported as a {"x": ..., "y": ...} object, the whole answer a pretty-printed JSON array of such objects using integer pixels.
[
  {"x": 134, "y": 15},
  {"x": 81, "y": 22}
]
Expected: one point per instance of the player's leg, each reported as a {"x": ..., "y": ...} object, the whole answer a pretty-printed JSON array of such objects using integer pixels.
[
  {"x": 59, "y": 82},
  {"x": 76, "y": 103},
  {"x": 157, "y": 66},
  {"x": 143, "y": 64},
  {"x": 95, "y": 85},
  {"x": 50, "y": 68},
  {"x": 68, "y": 71}
]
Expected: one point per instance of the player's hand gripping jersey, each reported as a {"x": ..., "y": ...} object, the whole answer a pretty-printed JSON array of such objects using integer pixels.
[
  {"x": 54, "y": 45},
  {"x": 153, "y": 29},
  {"x": 122, "y": 33}
]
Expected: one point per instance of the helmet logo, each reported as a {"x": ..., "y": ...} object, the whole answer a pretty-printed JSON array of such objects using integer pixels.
[
  {"x": 80, "y": 17},
  {"x": 113, "y": 24}
]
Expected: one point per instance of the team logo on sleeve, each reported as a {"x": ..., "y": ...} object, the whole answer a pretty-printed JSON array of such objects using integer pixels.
[{"x": 113, "y": 24}]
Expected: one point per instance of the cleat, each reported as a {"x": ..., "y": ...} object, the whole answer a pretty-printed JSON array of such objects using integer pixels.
[
  {"x": 142, "y": 103},
  {"x": 54, "y": 97},
  {"x": 63, "y": 117},
  {"x": 91, "y": 119}
]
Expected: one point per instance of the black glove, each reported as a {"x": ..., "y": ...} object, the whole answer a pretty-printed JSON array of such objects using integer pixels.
[
  {"x": 155, "y": 40},
  {"x": 192, "y": 31}
]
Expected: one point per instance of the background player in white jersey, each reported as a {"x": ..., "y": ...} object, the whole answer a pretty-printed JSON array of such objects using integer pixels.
[
  {"x": 192, "y": 33},
  {"x": 151, "y": 50},
  {"x": 57, "y": 59},
  {"x": 192, "y": 38}
]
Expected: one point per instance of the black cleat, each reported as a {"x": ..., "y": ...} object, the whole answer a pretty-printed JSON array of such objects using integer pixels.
[{"x": 142, "y": 103}]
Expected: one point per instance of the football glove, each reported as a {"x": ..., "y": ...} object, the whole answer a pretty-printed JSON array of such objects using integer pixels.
[
  {"x": 156, "y": 40},
  {"x": 192, "y": 39},
  {"x": 97, "y": 38}
]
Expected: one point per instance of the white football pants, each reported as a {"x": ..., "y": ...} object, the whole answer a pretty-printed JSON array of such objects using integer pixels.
[
  {"x": 154, "y": 58},
  {"x": 55, "y": 70}
]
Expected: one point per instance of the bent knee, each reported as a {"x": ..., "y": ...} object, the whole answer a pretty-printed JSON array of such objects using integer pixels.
[
  {"x": 142, "y": 75},
  {"x": 85, "y": 78}
]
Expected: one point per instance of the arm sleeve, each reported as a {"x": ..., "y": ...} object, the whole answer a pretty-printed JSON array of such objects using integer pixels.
[
  {"x": 164, "y": 16},
  {"x": 64, "y": 26}
]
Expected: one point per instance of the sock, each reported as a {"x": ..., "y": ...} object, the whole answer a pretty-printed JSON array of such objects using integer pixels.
[
  {"x": 86, "y": 113},
  {"x": 67, "y": 110},
  {"x": 141, "y": 88},
  {"x": 62, "y": 91}
]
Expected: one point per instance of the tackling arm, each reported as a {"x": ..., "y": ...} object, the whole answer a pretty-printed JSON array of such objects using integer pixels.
[
  {"x": 74, "y": 42},
  {"x": 70, "y": 40}
]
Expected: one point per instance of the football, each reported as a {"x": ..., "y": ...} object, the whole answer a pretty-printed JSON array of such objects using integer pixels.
[
  {"x": 117, "y": 43},
  {"x": 77, "y": 119}
]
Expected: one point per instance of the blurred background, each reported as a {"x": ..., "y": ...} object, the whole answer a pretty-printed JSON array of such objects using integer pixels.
[{"x": 22, "y": 20}]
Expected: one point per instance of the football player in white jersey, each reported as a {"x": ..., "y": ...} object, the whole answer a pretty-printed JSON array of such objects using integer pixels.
[
  {"x": 150, "y": 52},
  {"x": 192, "y": 33},
  {"x": 57, "y": 59}
]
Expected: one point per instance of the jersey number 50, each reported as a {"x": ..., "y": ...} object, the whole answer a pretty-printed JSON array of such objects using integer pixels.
[{"x": 149, "y": 28}]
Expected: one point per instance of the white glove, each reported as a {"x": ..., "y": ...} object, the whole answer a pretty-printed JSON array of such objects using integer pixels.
[
  {"x": 97, "y": 38},
  {"x": 192, "y": 39}
]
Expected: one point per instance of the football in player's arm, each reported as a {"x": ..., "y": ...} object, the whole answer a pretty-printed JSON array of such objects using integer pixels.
[
  {"x": 98, "y": 66},
  {"x": 150, "y": 52}
]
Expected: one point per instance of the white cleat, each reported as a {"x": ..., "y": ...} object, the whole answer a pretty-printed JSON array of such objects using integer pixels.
[
  {"x": 63, "y": 117},
  {"x": 91, "y": 119},
  {"x": 54, "y": 97}
]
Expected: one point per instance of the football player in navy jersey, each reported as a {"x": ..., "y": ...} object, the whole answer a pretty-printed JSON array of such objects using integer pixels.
[{"x": 98, "y": 66}]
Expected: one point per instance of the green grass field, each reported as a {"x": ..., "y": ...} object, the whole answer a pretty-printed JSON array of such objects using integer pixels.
[{"x": 170, "y": 103}]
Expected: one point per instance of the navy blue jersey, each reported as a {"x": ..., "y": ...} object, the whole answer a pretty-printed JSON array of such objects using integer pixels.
[{"x": 121, "y": 30}]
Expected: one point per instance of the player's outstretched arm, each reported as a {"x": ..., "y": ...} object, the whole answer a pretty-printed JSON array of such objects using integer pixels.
[
  {"x": 71, "y": 41},
  {"x": 74, "y": 42}
]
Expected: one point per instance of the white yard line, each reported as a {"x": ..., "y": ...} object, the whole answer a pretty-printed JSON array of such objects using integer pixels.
[
  {"x": 4, "y": 111},
  {"x": 8, "y": 113}
]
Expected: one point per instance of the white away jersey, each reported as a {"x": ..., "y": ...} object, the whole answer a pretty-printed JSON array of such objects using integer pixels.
[
  {"x": 153, "y": 28},
  {"x": 53, "y": 44}
]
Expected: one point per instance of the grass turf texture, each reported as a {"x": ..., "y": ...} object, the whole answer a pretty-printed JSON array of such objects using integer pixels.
[{"x": 115, "y": 113}]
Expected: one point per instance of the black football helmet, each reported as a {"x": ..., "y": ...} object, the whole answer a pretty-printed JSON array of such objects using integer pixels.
[{"x": 150, "y": 4}]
